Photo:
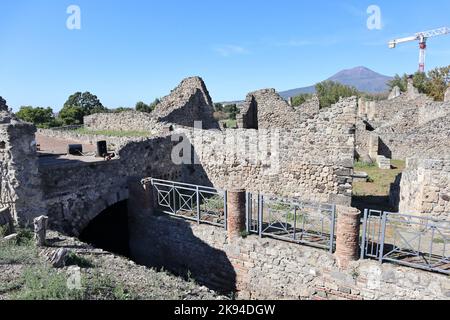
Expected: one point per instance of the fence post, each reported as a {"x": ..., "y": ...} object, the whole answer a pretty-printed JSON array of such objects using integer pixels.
[
  {"x": 347, "y": 235},
  {"x": 247, "y": 211},
  {"x": 225, "y": 209},
  {"x": 383, "y": 235},
  {"x": 364, "y": 231},
  {"x": 332, "y": 231},
  {"x": 197, "y": 195},
  {"x": 260, "y": 214},
  {"x": 236, "y": 212}
]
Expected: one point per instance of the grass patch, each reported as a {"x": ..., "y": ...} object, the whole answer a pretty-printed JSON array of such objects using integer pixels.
[
  {"x": 380, "y": 180},
  {"x": 45, "y": 283},
  {"x": 375, "y": 192},
  {"x": 113, "y": 133},
  {"x": 230, "y": 123},
  {"x": 75, "y": 260},
  {"x": 21, "y": 250}
]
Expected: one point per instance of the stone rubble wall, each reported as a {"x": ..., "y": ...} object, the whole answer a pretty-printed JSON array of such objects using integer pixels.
[
  {"x": 407, "y": 127},
  {"x": 123, "y": 121},
  {"x": 268, "y": 110},
  {"x": 313, "y": 162},
  {"x": 424, "y": 188},
  {"x": 310, "y": 108},
  {"x": 271, "y": 269},
  {"x": 187, "y": 103},
  {"x": 20, "y": 182}
]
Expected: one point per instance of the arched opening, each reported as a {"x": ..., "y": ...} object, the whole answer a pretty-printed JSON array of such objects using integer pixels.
[{"x": 109, "y": 230}]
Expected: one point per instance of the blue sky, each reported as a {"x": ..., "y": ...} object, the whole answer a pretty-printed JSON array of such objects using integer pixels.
[{"x": 134, "y": 50}]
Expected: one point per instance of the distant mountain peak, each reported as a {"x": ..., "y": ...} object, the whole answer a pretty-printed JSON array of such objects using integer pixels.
[{"x": 362, "y": 78}]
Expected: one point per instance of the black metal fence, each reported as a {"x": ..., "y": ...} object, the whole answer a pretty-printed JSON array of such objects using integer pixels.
[
  {"x": 193, "y": 202},
  {"x": 306, "y": 223},
  {"x": 414, "y": 241}
]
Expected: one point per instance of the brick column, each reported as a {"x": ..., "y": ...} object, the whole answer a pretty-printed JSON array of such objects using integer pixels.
[
  {"x": 347, "y": 235},
  {"x": 236, "y": 212}
]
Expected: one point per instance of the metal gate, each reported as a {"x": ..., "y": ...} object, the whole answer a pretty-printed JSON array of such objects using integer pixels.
[
  {"x": 414, "y": 241},
  {"x": 301, "y": 222}
]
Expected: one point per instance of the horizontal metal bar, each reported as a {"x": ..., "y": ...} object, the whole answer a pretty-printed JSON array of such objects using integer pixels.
[
  {"x": 178, "y": 183},
  {"x": 312, "y": 244},
  {"x": 416, "y": 265}
]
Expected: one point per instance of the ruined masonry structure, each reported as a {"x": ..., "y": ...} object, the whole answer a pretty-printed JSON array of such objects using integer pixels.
[
  {"x": 424, "y": 188},
  {"x": 20, "y": 181},
  {"x": 306, "y": 154}
]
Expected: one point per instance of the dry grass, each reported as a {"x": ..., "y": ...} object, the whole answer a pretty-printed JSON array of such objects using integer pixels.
[{"x": 375, "y": 194}]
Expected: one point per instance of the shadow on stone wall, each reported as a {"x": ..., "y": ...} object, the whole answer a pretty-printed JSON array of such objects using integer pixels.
[{"x": 168, "y": 243}]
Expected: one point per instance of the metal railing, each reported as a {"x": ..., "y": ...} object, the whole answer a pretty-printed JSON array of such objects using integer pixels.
[
  {"x": 192, "y": 202},
  {"x": 414, "y": 241},
  {"x": 300, "y": 222}
]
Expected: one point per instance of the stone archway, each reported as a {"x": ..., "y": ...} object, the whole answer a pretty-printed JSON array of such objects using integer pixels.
[{"x": 109, "y": 230}]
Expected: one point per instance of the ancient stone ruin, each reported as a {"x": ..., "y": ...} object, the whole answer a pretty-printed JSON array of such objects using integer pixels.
[{"x": 305, "y": 155}]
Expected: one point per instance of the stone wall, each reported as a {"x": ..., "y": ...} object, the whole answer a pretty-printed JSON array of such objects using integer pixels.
[
  {"x": 271, "y": 269},
  {"x": 123, "y": 121},
  {"x": 76, "y": 193},
  {"x": 407, "y": 127},
  {"x": 187, "y": 103},
  {"x": 310, "y": 108},
  {"x": 265, "y": 109},
  {"x": 424, "y": 188},
  {"x": 313, "y": 162},
  {"x": 20, "y": 187}
]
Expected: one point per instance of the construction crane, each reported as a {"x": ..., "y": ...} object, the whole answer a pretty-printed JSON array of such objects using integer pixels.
[{"x": 422, "y": 37}]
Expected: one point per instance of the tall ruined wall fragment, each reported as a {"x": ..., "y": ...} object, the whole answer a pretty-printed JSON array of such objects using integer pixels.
[
  {"x": 425, "y": 188},
  {"x": 187, "y": 103},
  {"x": 20, "y": 181},
  {"x": 265, "y": 109}
]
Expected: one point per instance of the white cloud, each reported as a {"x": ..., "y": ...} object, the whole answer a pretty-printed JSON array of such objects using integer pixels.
[{"x": 231, "y": 50}]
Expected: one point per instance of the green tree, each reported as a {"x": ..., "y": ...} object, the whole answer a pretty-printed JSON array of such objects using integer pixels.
[
  {"x": 218, "y": 107},
  {"x": 232, "y": 111},
  {"x": 301, "y": 99},
  {"x": 329, "y": 92},
  {"x": 438, "y": 81},
  {"x": 433, "y": 84},
  {"x": 71, "y": 115},
  {"x": 79, "y": 105},
  {"x": 41, "y": 117},
  {"x": 143, "y": 107},
  {"x": 121, "y": 109}
]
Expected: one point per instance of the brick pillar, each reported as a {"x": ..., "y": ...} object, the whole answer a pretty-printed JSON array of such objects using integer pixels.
[
  {"x": 236, "y": 212},
  {"x": 347, "y": 235}
]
